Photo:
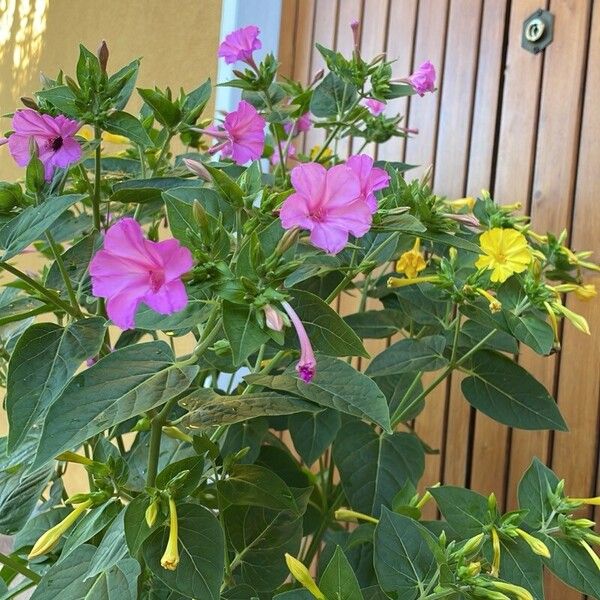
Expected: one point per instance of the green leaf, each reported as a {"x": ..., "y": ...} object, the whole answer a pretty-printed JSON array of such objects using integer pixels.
[
  {"x": 252, "y": 485},
  {"x": 135, "y": 526},
  {"x": 410, "y": 355},
  {"x": 327, "y": 331},
  {"x": 403, "y": 560},
  {"x": 313, "y": 433},
  {"x": 201, "y": 550},
  {"x": 374, "y": 466},
  {"x": 332, "y": 97},
  {"x": 299, "y": 594},
  {"x": 534, "y": 491},
  {"x": 226, "y": 186},
  {"x": 111, "y": 549},
  {"x": 401, "y": 392},
  {"x": 506, "y": 392},
  {"x": 122, "y": 123},
  {"x": 248, "y": 434},
  {"x": 521, "y": 566},
  {"x": 30, "y": 225},
  {"x": 122, "y": 83},
  {"x": 532, "y": 331},
  {"x": 242, "y": 330},
  {"x": 206, "y": 407},
  {"x": 376, "y": 324},
  {"x": 119, "y": 582},
  {"x": 338, "y": 581},
  {"x": 44, "y": 359},
  {"x": 451, "y": 240},
  {"x": 195, "y": 101},
  {"x": 466, "y": 511},
  {"x": 570, "y": 562},
  {"x": 124, "y": 384},
  {"x": 62, "y": 98},
  {"x": 336, "y": 385},
  {"x": 166, "y": 112},
  {"x": 138, "y": 191},
  {"x": 472, "y": 332}
]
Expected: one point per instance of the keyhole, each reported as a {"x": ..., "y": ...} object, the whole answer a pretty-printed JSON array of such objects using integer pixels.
[{"x": 534, "y": 30}]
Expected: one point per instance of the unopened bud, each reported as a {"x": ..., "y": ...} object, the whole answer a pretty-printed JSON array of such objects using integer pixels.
[
  {"x": 273, "y": 318},
  {"x": 473, "y": 544},
  {"x": 302, "y": 575},
  {"x": 176, "y": 434},
  {"x": 343, "y": 514},
  {"x": 537, "y": 546},
  {"x": 199, "y": 214},
  {"x": 170, "y": 558},
  {"x": 103, "y": 56},
  {"x": 318, "y": 76},
  {"x": 378, "y": 58},
  {"x": 288, "y": 239},
  {"x": 197, "y": 168},
  {"x": 355, "y": 26},
  {"x": 151, "y": 513},
  {"x": 11, "y": 195},
  {"x": 29, "y": 102},
  {"x": 77, "y": 499}
]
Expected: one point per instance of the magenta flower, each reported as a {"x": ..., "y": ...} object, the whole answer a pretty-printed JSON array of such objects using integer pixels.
[
  {"x": 423, "y": 79},
  {"x": 54, "y": 137},
  {"x": 131, "y": 269},
  {"x": 307, "y": 365},
  {"x": 240, "y": 44},
  {"x": 243, "y": 134},
  {"x": 329, "y": 203},
  {"x": 376, "y": 107},
  {"x": 291, "y": 154},
  {"x": 302, "y": 124},
  {"x": 371, "y": 178}
]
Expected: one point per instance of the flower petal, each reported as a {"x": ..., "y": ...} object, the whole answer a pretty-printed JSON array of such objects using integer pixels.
[
  {"x": 121, "y": 308},
  {"x": 172, "y": 297},
  {"x": 295, "y": 212},
  {"x": 328, "y": 237},
  {"x": 176, "y": 259}
]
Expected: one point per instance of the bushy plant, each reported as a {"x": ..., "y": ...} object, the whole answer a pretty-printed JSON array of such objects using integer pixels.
[{"x": 192, "y": 492}]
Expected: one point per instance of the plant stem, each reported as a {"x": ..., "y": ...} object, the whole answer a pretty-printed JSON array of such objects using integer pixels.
[
  {"x": 155, "y": 438},
  {"x": 162, "y": 152},
  {"x": 15, "y": 565},
  {"x": 51, "y": 296},
  {"x": 63, "y": 272},
  {"x": 97, "y": 178}
]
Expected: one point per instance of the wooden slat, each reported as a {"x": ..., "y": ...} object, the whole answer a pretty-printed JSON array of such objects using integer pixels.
[
  {"x": 515, "y": 161},
  {"x": 452, "y": 157},
  {"x": 420, "y": 150},
  {"x": 288, "y": 41}
]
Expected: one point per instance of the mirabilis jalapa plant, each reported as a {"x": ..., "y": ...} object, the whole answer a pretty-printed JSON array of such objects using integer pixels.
[{"x": 242, "y": 243}]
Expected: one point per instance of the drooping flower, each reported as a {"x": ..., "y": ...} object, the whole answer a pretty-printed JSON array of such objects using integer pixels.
[
  {"x": 494, "y": 304},
  {"x": 423, "y": 79},
  {"x": 302, "y": 123},
  {"x": 371, "y": 178},
  {"x": 170, "y": 558},
  {"x": 307, "y": 365},
  {"x": 376, "y": 107},
  {"x": 131, "y": 269},
  {"x": 329, "y": 203},
  {"x": 243, "y": 134},
  {"x": 240, "y": 44},
  {"x": 54, "y": 137},
  {"x": 505, "y": 252},
  {"x": 302, "y": 575},
  {"x": 411, "y": 262}
]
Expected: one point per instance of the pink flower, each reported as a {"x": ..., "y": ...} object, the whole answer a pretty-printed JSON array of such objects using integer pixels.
[
  {"x": 54, "y": 137},
  {"x": 423, "y": 79},
  {"x": 131, "y": 269},
  {"x": 243, "y": 138},
  {"x": 240, "y": 44},
  {"x": 307, "y": 365},
  {"x": 376, "y": 107},
  {"x": 329, "y": 203},
  {"x": 371, "y": 178},
  {"x": 291, "y": 154},
  {"x": 303, "y": 123}
]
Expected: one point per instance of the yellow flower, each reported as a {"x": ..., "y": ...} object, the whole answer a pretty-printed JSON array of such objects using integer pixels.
[
  {"x": 301, "y": 574},
  {"x": 576, "y": 320},
  {"x": 496, "y": 553},
  {"x": 537, "y": 546},
  {"x": 593, "y": 501},
  {"x": 405, "y": 281},
  {"x": 591, "y": 552},
  {"x": 411, "y": 263},
  {"x": 494, "y": 304},
  {"x": 49, "y": 539},
  {"x": 468, "y": 202},
  {"x": 553, "y": 324},
  {"x": 519, "y": 592},
  {"x": 505, "y": 251},
  {"x": 170, "y": 559},
  {"x": 586, "y": 291},
  {"x": 315, "y": 150},
  {"x": 87, "y": 133}
]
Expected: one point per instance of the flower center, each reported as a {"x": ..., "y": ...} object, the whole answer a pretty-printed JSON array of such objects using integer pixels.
[
  {"x": 57, "y": 143},
  {"x": 318, "y": 214},
  {"x": 157, "y": 279}
]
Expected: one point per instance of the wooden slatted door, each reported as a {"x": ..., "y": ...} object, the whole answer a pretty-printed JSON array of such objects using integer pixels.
[{"x": 524, "y": 126}]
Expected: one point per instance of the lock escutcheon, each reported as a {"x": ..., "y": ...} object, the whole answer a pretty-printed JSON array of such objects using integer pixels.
[{"x": 537, "y": 31}]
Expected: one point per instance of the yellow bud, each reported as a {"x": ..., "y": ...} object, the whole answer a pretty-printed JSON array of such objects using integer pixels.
[
  {"x": 177, "y": 434},
  {"x": 473, "y": 544},
  {"x": 49, "y": 539},
  {"x": 586, "y": 291},
  {"x": 516, "y": 590},
  {"x": 75, "y": 458},
  {"x": 301, "y": 574},
  {"x": 405, "y": 281},
  {"x": 553, "y": 323},
  {"x": 583, "y": 523},
  {"x": 170, "y": 558},
  {"x": 343, "y": 514},
  {"x": 474, "y": 569},
  {"x": 591, "y": 552},
  {"x": 576, "y": 320},
  {"x": 494, "y": 304},
  {"x": 538, "y": 547},
  {"x": 593, "y": 538},
  {"x": 151, "y": 513},
  {"x": 496, "y": 553},
  {"x": 460, "y": 203},
  {"x": 452, "y": 253}
]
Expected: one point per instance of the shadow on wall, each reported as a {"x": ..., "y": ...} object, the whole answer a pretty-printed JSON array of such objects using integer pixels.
[{"x": 178, "y": 40}]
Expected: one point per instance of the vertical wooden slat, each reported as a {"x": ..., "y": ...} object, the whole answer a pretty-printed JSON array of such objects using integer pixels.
[
  {"x": 420, "y": 150},
  {"x": 515, "y": 156},
  {"x": 287, "y": 38},
  {"x": 452, "y": 157}
]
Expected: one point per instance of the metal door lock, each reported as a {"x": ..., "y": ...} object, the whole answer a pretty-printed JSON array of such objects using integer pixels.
[{"x": 538, "y": 30}]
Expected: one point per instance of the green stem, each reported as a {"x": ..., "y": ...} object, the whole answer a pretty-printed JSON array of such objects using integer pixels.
[
  {"x": 97, "y": 178},
  {"x": 63, "y": 272},
  {"x": 163, "y": 151},
  {"x": 277, "y": 138},
  {"x": 155, "y": 438},
  {"x": 15, "y": 565},
  {"x": 51, "y": 296}
]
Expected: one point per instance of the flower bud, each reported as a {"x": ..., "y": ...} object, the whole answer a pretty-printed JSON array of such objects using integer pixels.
[
  {"x": 496, "y": 553},
  {"x": 151, "y": 513},
  {"x": 197, "y": 168},
  {"x": 75, "y": 458},
  {"x": 473, "y": 544},
  {"x": 176, "y": 434},
  {"x": 517, "y": 591},
  {"x": 103, "y": 56},
  {"x": 351, "y": 516},
  {"x": 273, "y": 318},
  {"x": 170, "y": 558},
  {"x": 301, "y": 574},
  {"x": 30, "y": 103},
  {"x": 317, "y": 77},
  {"x": 537, "y": 546}
]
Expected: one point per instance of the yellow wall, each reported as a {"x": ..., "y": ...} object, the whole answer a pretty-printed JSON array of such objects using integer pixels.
[{"x": 177, "y": 40}]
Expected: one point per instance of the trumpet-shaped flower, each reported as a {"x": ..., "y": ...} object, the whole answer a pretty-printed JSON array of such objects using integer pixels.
[
  {"x": 505, "y": 252},
  {"x": 243, "y": 134},
  {"x": 302, "y": 575},
  {"x": 371, "y": 178},
  {"x": 307, "y": 365},
  {"x": 54, "y": 137},
  {"x": 376, "y": 107},
  {"x": 411, "y": 262},
  {"x": 170, "y": 558},
  {"x": 329, "y": 203},
  {"x": 423, "y": 79},
  {"x": 130, "y": 270},
  {"x": 240, "y": 44}
]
